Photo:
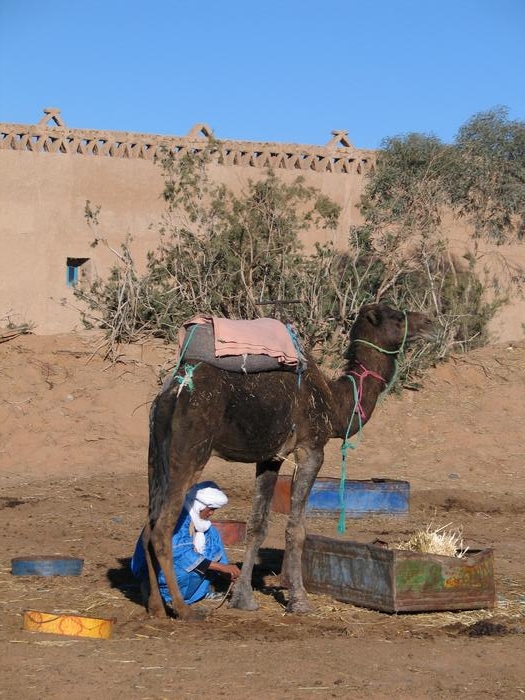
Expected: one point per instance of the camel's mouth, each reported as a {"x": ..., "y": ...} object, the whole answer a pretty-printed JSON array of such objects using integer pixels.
[
  {"x": 431, "y": 336},
  {"x": 426, "y": 330}
]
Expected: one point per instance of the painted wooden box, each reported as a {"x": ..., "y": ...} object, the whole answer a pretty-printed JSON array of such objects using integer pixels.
[
  {"x": 361, "y": 497},
  {"x": 394, "y": 580}
]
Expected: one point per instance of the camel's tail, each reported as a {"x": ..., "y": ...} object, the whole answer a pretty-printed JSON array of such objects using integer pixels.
[{"x": 158, "y": 461}]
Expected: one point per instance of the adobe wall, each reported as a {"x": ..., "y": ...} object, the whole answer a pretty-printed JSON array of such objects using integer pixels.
[
  {"x": 43, "y": 197},
  {"x": 48, "y": 172}
]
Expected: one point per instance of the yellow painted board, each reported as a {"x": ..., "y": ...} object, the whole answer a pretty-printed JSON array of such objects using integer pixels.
[{"x": 69, "y": 625}]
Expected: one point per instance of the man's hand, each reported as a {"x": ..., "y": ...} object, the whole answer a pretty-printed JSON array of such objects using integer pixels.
[{"x": 230, "y": 570}]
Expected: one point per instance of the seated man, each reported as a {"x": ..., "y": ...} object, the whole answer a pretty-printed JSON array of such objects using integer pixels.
[{"x": 198, "y": 552}]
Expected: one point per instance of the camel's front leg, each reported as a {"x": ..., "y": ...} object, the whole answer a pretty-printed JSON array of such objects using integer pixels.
[
  {"x": 309, "y": 462},
  {"x": 266, "y": 476}
]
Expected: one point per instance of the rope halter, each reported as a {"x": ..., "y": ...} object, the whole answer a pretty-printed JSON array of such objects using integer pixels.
[{"x": 359, "y": 411}]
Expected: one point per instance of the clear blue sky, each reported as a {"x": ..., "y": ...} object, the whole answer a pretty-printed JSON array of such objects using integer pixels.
[{"x": 278, "y": 70}]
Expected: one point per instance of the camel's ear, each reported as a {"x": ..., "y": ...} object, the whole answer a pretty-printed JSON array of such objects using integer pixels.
[{"x": 374, "y": 316}]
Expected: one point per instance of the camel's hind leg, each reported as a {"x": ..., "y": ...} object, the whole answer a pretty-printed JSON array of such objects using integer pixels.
[
  {"x": 160, "y": 542},
  {"x": 161, "y": 536},
  {"x": 266, "y": 476},
  {"x": 155, "y": 604},
  {"x": 177, "y": 454}
]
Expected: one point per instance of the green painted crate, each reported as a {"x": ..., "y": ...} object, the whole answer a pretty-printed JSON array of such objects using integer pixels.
[{"x": 394, "y": 580}]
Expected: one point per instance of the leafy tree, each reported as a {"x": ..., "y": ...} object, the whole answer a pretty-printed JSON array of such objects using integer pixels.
[
  {"x": 408, "y": 185},
  {"x": 488, "y": 185},
  {"x": 479, "y": 178}
]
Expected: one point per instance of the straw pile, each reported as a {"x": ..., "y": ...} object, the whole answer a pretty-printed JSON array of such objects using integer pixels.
[{"x": 448, "y": 543}]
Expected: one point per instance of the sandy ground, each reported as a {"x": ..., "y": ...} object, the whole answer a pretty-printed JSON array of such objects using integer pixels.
[{"x": 73, "y": 483}]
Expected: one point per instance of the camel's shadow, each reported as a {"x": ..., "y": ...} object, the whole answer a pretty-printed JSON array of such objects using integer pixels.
[
  {"x": 269, "y": 563},
  {"x": 123, "y": 580}
]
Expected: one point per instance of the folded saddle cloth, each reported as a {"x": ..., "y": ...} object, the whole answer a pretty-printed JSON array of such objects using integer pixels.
[{"x": 227, "y": 338}]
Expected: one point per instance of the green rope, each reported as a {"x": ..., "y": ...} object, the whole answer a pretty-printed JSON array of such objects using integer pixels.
[
  {"x": 347, "y": 444},
  {"x": 376, "y": 347},
  {"x": 187, "y": 379},
  {"x": 189, "y": 337}
]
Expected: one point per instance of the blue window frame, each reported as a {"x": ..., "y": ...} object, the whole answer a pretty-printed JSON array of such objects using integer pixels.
[
  {"x": 72, "y": 268},
  {"x": 72, "y": 275}
]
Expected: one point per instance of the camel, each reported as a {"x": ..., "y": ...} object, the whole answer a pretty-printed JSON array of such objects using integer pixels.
[{"x": 262, "y": 418}]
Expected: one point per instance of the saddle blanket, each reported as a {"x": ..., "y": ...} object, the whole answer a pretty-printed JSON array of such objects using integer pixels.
[{"x": 259, "y": 345}]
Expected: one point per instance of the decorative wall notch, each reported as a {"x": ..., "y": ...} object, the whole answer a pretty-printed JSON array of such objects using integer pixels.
[
  {"x": 199, "y": 131},
  {"x": 339, "y": 138},
  {"x": 51, "y": 114}
]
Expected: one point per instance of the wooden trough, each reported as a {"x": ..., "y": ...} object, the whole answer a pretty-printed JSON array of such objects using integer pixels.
[
  {"x": 361, "y": 497},
  {"x": 394, "y": 580}
]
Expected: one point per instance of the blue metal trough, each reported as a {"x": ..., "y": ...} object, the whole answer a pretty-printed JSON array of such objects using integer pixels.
[{"x": 361, "y": 497}]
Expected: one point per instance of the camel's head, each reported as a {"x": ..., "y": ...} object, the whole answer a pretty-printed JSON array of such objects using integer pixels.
[{"x": 390, "y": 328}]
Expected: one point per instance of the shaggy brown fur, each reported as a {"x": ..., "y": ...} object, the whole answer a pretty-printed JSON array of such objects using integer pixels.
[{"x": 261, "y": 418}]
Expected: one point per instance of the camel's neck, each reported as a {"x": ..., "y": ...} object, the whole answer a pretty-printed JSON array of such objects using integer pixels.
[{"x": 366, "y": 375}]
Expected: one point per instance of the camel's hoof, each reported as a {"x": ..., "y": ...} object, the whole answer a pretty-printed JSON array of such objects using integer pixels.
[
  {"x": 191, "y": 614},
  {"x": 156, "y": 611},
  {"x": 244, "y": 605},
  {"x": 243, "y": 600},
  {"x": 299, "y": 607}
]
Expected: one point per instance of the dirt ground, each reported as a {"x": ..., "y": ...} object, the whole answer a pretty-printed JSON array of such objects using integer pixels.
[{"x": 73, "y": 483}]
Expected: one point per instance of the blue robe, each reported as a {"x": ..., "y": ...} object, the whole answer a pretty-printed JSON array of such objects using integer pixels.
[{"x": 193, "y": 585}]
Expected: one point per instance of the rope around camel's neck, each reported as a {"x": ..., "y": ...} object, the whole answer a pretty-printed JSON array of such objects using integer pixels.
[{"x": 383, "y": 351}]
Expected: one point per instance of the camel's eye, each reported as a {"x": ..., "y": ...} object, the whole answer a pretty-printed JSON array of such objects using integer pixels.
[
  {"x": 396, "y": 317},
  {"x": 401, "y": 318}
]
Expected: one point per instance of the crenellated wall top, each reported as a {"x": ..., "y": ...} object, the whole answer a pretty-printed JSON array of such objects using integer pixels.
[{"x": 51, "y": 135}]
